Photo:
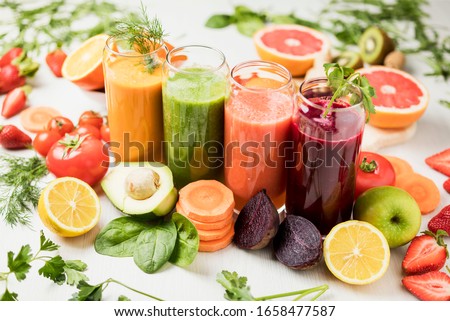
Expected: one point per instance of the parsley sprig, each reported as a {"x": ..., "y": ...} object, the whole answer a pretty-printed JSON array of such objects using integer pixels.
[
  {"x": 236, "y": 289},
  {"x": 342, "y": 79}
]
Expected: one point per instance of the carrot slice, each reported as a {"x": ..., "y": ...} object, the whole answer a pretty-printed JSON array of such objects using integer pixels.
[
  {"x": 400, "y": 165},
  {"x": 207, "y": 201},
  {"x": 422, "y": 189},
  {"x": 206, "y": 226},
  {"x": 216, "y": 245},
  {"x": 211, "y": 235},
  {"x": 35, "y": 119}
]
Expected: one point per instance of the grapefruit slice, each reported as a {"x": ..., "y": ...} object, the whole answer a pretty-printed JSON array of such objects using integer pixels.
[
  {"x": 401, "y": 99},
  {"x": 83, "y": 67},
  {"x": 294, "y": 47}
]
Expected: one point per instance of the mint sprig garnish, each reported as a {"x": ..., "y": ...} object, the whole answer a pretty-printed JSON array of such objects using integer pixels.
[{"x": 341, "y": 79}]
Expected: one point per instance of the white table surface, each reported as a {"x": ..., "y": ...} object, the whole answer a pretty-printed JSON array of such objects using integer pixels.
[{"x": 184, "y": 20}]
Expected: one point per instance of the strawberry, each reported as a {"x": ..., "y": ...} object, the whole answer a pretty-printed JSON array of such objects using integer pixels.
[
  {"x": 426, "y": 253},
  {"x": 55, "y": 60},
  {"x": 440, "y": 162},
  {"x": 431, "y": 286},
  {"x": 15, "y": 101},
  {"x": 12, "y": 137},
  {"x": 441, "y": 221},
  {"x": 14, "y": 75},
  {"x": 9, "y": 56},
  {"x": 447, "y": 185}
]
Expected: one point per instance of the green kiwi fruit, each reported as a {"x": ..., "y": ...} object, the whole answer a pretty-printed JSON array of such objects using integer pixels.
[
  {"x": 374, "y": 45},
  {"x": 349, "y": 59}
]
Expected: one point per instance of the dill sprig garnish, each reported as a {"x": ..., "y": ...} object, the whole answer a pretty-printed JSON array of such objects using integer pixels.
[
  {"x": 18, "y": 186},
  {"x": 143, "y": 34}
]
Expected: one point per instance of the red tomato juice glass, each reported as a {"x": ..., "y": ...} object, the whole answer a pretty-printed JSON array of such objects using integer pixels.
[
  {"x": 258, "y": 112},
  {"x": 321, "y": 178}
]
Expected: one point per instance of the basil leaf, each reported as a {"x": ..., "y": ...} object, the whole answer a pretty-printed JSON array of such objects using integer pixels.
[
  {"x": 219, "y": 21},
  {"x": 186, "y": 246},
  {"x": 118, "y": 237},
  {"x": 154, "y": 246},
  {"x": 250, "y": 25}
]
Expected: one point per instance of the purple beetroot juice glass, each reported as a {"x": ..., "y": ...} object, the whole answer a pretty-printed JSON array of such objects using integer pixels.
[{"x": 321, "y": 177}]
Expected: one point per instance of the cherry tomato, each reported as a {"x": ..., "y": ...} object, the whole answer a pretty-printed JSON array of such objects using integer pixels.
[
  {"x": 91, "y": 117},
  {"x": 373, "y": 170},
  {"x": 87, "y": 130},
  {"x": 104, "y": 131},
  {"x": 61, "y": 125},
  {"x": 81, "y": 157},
  {"x": 44, "y": 140}
]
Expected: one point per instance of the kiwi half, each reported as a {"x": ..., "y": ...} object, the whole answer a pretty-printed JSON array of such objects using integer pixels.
[
  {"x": 374, "y": 45},
  {"x": 349, "y": 59}
]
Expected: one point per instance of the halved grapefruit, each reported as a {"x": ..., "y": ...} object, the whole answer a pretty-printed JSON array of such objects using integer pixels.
[
  {"x": 401, "y": 99},
  {"x": 293, "y": 46}
]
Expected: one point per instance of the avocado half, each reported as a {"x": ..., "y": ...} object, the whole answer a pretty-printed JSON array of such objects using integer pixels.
[{"x": 160, "y": 203}]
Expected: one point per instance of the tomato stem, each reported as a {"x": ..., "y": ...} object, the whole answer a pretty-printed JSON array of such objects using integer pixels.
[{"x": 368, "y": 167}]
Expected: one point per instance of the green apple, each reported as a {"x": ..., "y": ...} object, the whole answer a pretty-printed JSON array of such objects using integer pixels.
[{"x": 392, "y": 210}]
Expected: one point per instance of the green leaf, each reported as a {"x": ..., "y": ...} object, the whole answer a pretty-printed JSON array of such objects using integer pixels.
[
  {"x": 9, "y": 296},
  {"x": 123, "y": 298},
  {"x": 283, "y": 19},
  {"x": 88, "y": 292},
  {"x": 20, "y": 265},
  {"x": 187, "y": 243},
  {"x": 53, "y": 269},
  {"x": 118, "y": 237},
  {"x": 154, "y": 246},
  {"x": 219, "y": 21},
  {"x": 236, "y": 288},
  {"x": 74, "y": 272},
  {"x": 445, "y": 103},
  {"x": 250, "y": 25},
  {"x": 47, "y": 244}
]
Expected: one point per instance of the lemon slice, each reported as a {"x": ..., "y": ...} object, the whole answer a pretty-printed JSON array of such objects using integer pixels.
[
  {"x": 69, "y": 207},
  {"x": 356, "y": 252}
]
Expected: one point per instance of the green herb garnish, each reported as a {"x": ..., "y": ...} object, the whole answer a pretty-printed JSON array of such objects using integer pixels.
[
  {"x": 341, "y": 79},
  {"x": 19, "y": 179},
  {"x": 142, "y": 34},
  {"x": 236, "y": 289}
]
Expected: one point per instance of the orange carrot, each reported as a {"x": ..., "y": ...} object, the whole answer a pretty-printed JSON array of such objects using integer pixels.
[
  {"x": 207, "y": 201},
  {"x": 215, "y": 245},
  {"x": 206, "y": 226},
  {"x": 422, "y": 189},
  {"x": 400, "y": 165},
  {"x": 211, "y": 235},
  {"x": 35, "y": 119}
]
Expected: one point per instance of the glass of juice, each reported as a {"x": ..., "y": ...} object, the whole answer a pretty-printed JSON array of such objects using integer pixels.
[
  {"x": 134, "y": 101},
  {"x": 327, "y": 139},
  {"x": 194, "y": 89},
  {"x": 258, "y": 113}
]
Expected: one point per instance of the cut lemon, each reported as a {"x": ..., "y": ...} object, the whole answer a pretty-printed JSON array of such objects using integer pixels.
[
  {"x": 356, "y": 252},
  {"x": 69, "y": 207},
  {"x": 83, "y": 67}
]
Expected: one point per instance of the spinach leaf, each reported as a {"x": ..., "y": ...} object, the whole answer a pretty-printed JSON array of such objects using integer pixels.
[
  {"x": 154, "y": 246},
  {"x": 219, "y": 21},
  {"x": 248, "y": 26},
  {"x": 118, "y": 237},
  {"x": 186, "y": 246}
]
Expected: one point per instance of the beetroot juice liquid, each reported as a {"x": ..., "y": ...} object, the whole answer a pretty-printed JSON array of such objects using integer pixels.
[{"x": 321, "y": 177}]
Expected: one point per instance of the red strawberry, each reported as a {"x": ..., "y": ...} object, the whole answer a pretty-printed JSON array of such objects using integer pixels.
[
  {"x": 14, "y": 75},
  {"x": 55, "y": 60},
  {"x": 15, "y": 101},
  {"x": 440, "y": 162},
  {"x": 12, "y": 137},
  {"x": 425, "y": 253},
  {"x": 9, "y": 56},
  {"x": 431, "y": 286},
  {"x": 447, "y": 185},
  {"x": 441, "y": 221}
]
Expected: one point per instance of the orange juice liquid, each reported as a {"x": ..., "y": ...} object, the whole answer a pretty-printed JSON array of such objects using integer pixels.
[{"x": 134, "y": 101}]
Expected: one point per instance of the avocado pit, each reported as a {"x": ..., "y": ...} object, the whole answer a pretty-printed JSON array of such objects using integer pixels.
[{"x": 142, "y": 183}]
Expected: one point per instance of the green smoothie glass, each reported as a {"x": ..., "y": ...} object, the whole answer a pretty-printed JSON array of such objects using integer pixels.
[{"x": 194, "y": 87}]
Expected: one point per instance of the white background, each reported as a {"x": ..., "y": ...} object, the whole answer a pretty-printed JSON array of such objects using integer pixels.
[{"x": 184, "y": 21}]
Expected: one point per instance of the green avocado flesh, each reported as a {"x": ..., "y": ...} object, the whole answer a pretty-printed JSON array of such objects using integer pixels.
[
  {"x": 159, "y": 204},
  {"x": 374, "y": 45}
]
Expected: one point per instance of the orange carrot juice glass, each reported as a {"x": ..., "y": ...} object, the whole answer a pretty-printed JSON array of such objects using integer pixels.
[
  {"x": 134, "y": 101},
  {"x": 258, "y": 114}
]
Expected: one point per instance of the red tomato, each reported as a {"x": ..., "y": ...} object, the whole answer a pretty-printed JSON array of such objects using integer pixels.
[
  {"x": 373, "y": 170},
  {"x": 45, "y": 140},
  {"x": 60, "y": 124},
  {"x": 87, "y": 130},
  {"x": 81, "y": 157},
  {"x": 104, "y": 131},
  {"x": 91, "y": 117}
]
